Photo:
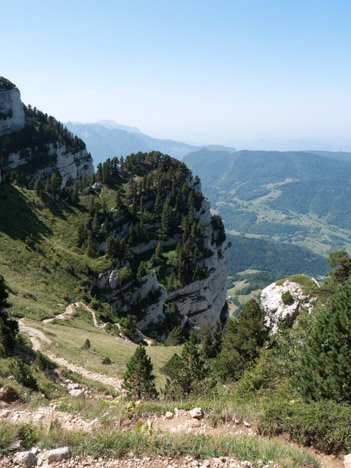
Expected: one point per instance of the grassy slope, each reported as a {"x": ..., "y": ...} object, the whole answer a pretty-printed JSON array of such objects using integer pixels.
[
  {"x": 38, "y": 254},
  {"x": 38, "y": 257}
]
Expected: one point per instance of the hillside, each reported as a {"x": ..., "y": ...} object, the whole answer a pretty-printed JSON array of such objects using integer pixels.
[
  {"x": 295, "y": 197},
  {"x": 106, "y": 139},
  {"x": 127, "y": 242},
  {"x": 279, "y": 259}
]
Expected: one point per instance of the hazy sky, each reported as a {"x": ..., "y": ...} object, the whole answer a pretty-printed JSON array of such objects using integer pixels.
[{"x": 195, "y": 70}]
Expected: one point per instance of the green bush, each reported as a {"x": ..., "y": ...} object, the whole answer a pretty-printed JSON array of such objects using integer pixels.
[
  {"x": 106, "y": 361},
  {"x": 22, "y": 373},
  {"x": 87, "y": 344},
  {"x": 29, "y": 436},
  {"x": 287, "y": 298},
  {"x": 324, "y": 425}
]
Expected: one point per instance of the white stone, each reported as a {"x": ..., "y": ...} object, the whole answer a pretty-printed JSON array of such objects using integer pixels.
[
  {"x": 58, "y": 454},
  {"x": 10, "y": 100},
  {"x": 196, "y": 413},
  {"x": 347, "y": 461},
  {"x": 26, "y": 459},
  {"x": 168, "y": 415}
]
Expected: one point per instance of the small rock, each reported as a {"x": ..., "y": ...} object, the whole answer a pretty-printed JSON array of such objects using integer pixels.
[
  {"x": 196, "y": 413},
  {"x": 58, "y": 454},
  {"x": 26, "y": 459},
  {"x": 15, "y": 445},
  {"x": 347, "y": 461},
  {"x": 246, "y": 424},
  {"x": 169, "y": 415}
]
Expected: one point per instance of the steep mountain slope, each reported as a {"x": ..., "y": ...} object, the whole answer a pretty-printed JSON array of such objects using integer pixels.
[
  {"x": 106, "y": 139},
  {"x": 35, "y": 145},
  {"x": 296, "y": 197},
  {"x": 141, "y": 242}
]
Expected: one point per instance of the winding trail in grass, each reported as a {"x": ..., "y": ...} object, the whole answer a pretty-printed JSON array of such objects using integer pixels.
[{"x": 37, "y": 337}]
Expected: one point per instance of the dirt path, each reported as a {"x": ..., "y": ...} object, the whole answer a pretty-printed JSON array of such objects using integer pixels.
[
  {"x": 104, "y": 379},
  {"x": 70, "y": 310},
  {"x": 36, "y": 337}
]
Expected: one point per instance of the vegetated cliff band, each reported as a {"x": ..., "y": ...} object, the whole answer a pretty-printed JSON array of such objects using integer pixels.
[
  {"x": 169, "y": 254},
  {"x": 141, "y": 238},
  {"x": 35, "y": 145}
]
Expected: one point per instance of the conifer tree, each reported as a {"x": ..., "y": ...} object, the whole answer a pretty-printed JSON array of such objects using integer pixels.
[
  {"x": 245, "y": 336},
  {"x": 91, "y": 248},
  {"x": 138, "y": 379},
  {"x": 326, "y": 364},
  {"x": 189, "y": 372},
  {"x": 175, "y": 337}
]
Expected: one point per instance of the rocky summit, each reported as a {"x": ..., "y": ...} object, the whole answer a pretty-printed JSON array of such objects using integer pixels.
[{"x": 35, "y": 145}]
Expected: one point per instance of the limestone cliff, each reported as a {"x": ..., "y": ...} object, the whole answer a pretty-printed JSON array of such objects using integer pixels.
[
  {"x": 157, "y": 302},
  {"x": 11, "y": 111},
  {"x": 34, "y": 145},
  {"x": 279, "y": 306}
]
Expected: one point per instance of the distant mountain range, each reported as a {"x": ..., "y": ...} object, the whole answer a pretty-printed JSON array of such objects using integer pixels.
[
  {"x": 301, "y": 197},
  {"x": 106, "y": 139}
]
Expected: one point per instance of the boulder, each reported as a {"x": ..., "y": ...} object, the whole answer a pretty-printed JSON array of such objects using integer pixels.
[
  {"x": 26, "y": 459},
  {"x": 347, "y": 461},
  {"x": 58, "y": 454},
  {"x": 196, "y": 413},
  {"x": 8, "y": 394},
  {"x": 275, "y": 308}
]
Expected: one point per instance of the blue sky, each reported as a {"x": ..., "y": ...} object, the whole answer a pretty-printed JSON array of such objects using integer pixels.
[{"x": 199, "y": 71}]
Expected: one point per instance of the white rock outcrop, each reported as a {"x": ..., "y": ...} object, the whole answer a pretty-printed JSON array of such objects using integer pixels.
[
  {"x": 69, "y": 166},
  {"x": 11, "y": 111},
  {"x": 276, "y": 310}
]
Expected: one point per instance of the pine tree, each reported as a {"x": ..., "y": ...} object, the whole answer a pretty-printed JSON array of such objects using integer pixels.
[
  {"x": 95, "y": 224},
  {"x": 91, "y": 248},
  {"x": 175, "y": 337},
  {"x": 326, "y": 364},
  {"x": 190, "y": 373},
  {"x": 8, "y": 327},
  {"x": 242, "y": 342},
  {"x": 138, "y": 379}
]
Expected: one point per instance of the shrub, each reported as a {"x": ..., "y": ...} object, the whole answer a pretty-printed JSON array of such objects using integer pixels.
[
  {"x": 29, "y": 436},
  {"x": 325, "y": 367},
  {"x": 106, "y": 361},
  {"x": 325, "y": 425},
  {"x": 23, "y": 374},
  {"x": 40, "y": 361},
  {"x": 87, "y": 344},
  {"x": 287, "y": 298}
]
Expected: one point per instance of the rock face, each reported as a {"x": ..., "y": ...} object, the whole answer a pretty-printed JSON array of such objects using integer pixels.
[
  {"x": 275, "y": 308},
  {"x": 193, "y": 305},
  {"x": 69, "y": 166},
  {"x": 45, "y": 155},
  {"x": 11, "y": 111}
]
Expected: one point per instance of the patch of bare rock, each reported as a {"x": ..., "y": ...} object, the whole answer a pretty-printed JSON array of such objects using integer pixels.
[{"x": 62, "y": 458}]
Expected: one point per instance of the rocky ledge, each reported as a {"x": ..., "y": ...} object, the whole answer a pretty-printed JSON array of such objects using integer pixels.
[{"x": 277, "y": 309}]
